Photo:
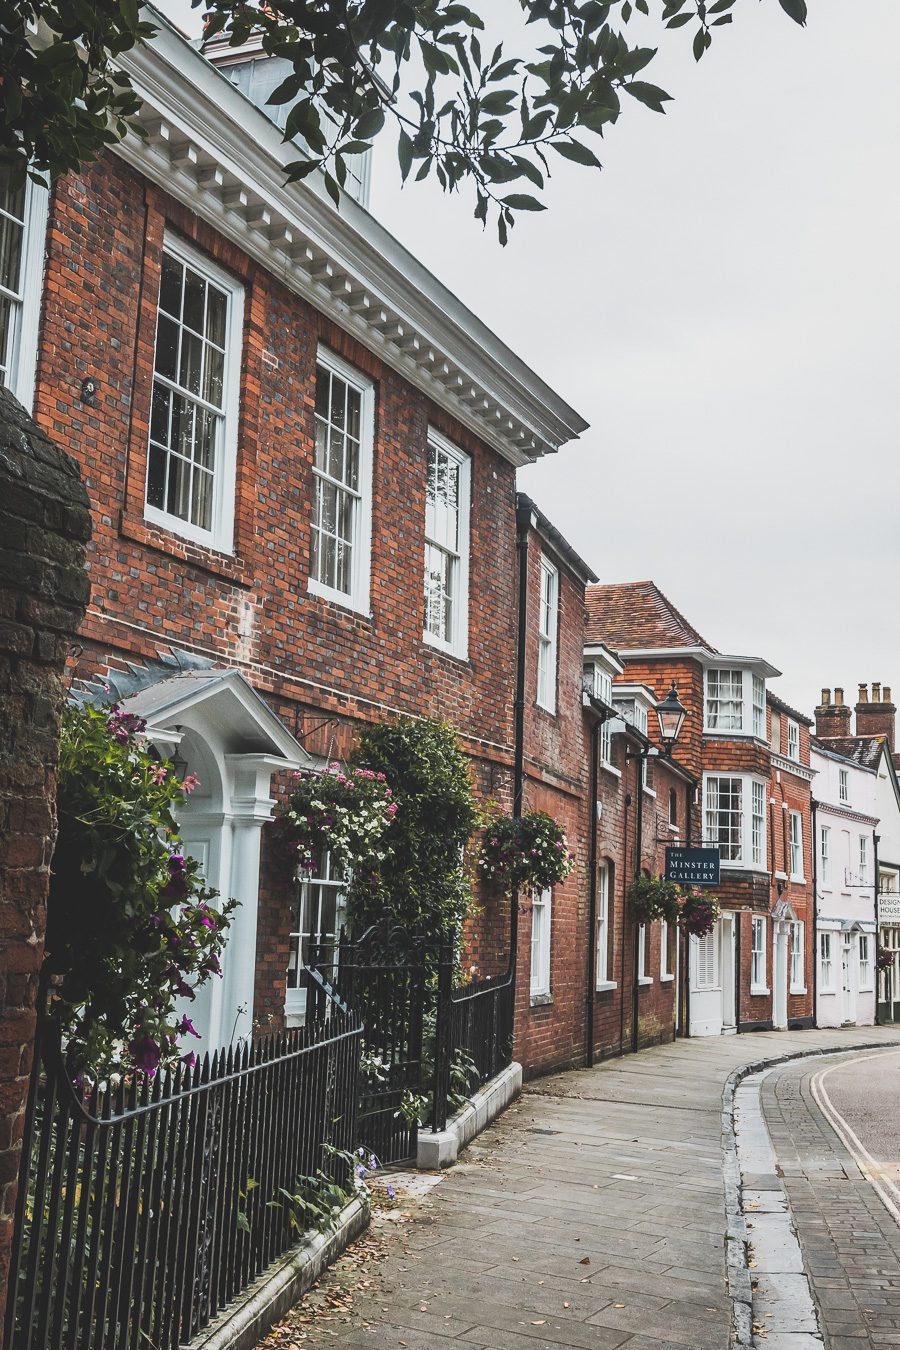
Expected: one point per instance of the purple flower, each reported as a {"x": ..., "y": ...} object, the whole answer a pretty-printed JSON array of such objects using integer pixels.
[
  {"x": 187, "y": 1028},
  {"x": 146, "y": 1054},
  {"x": 189, "y": 1059}
]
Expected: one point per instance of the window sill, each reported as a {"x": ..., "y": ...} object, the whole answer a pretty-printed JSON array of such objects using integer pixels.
[
  {"x": 781, "y": 876},
  {"x": 798, "y": 881},
  {"x": 651, "y": 792},
  {"x": 759, "y": 991},
  {"x": 610, "y": 768},
  {"x": 461, "y": 655},
  {"x": 666, "y": 978},
  {"x": 645, "y": 979},
  {"x": 203, "y": 556},
  {"x": 337, "y": 598},
  {"x": 803, "y": 990},
  {"x": 604, "y": 986},
  {"x": 541, "y": 1000},
  {"x": 542, "y": 707}
]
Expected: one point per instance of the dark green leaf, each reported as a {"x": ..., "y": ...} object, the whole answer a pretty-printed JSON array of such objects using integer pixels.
[
  {"x": 577, "y": 152},
  {"x": 520, "y": 201},
  {"x": 648, "y": 94},
  {"x": 795, "y": 8}
]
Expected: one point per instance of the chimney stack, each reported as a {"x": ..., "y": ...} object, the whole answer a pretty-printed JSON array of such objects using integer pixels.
[
  {"x": 832, "y": 719},
  {"x": 878, "y": 717}
]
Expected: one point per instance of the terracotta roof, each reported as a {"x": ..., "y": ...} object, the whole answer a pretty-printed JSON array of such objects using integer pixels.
[
  {"x": 863, "y": 750},
  {"x": 635, "y": 614}
]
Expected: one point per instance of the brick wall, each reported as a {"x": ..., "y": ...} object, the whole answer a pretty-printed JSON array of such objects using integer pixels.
[{"x": 44, "y": 523}]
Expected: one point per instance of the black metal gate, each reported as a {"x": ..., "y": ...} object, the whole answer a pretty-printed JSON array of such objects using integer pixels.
[{"x": 387, "y": 979}]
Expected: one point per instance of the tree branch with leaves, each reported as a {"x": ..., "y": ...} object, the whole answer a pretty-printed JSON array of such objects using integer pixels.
[{"x": 464, "y": 109}]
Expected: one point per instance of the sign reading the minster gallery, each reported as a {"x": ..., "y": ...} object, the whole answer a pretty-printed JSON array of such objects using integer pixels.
[{"x": 693, "y": 866}]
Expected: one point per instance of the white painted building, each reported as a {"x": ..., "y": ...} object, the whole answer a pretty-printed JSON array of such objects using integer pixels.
[{"x": 846, "y": 819}]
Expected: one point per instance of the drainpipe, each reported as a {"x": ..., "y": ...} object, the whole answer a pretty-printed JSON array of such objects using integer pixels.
[
  {"x": 814, "y": 807},
  {"x": 638, "y": 847},
  {"x": 687, "y": 941},
  {"x": 523, "y": 523},
  {"x": 876, "y": 840},
  {"x": 592, "y": 900},
  {"x": 625, "y": 805}
]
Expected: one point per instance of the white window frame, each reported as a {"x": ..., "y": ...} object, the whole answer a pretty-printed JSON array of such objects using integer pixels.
[
  {"x": 863, "y": 860},
  {"x": 865, "y": 979},
  {"x": 798, "y": 957},
  {"x": 548, "y": 635},
  {"x": 758, "y": 689},
  {"x": 751, "y": 822},
  {"x": 758, "y": 954},
  {"x": 602, "y": 972},
  {"x": 459, "y": 629},
  {"x": 358, "y": 597},
  {"x": 664, "y": 972},
  {"x": 295, "y": 995},
  {"x": 843, "y": 785},
  {"x": 795, "y": 845},
  {"x": 825, "y": 856},
  {"x": 826, "y": 962},
  {"x": 793, "y": 741},
  {"x": 22, "y": 369},
  {"x": 642, "y": 946},
  {"x": 541, "y": 923},
  {"x": 603, "y": 691},
  {"x": 220, "y": 535}
]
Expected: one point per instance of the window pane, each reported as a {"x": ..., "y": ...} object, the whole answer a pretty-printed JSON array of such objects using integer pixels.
[
  {"x": 167, "y": 348},
  {"x": 170, "y": 286},
  {"x": 179, "y": 497},
  {"x": 214, "y": 376},
  {"x": 216, "y": 315},
  {"x": 11, "y": 236},
  {"x": 156, "y": 478},
  {"x": 194, "y": 300},
  {"x": 191, "y": 362},
  {"x": 202, "y": 505}
]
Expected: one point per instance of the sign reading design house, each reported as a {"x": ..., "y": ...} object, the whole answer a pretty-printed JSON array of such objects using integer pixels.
[{"x": 692, "y": 866}]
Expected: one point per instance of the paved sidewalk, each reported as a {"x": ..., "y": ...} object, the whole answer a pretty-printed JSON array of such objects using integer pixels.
[
  {"x": 849, "y": 1241},
  {"x": 590, "y": 1215}
]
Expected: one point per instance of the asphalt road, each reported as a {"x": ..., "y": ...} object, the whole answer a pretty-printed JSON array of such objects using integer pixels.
[{"x": 865, "y": 1094}]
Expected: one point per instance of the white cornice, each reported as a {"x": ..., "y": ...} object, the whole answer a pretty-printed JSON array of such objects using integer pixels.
[
  {"x": 703, "y": 655},
  {"x": 213, "y": 150},
  {"x": 793, "y": 766}
]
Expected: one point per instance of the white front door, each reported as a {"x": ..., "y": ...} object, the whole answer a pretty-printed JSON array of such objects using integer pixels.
[
  {"x": 726, "y": 966},
  {"x": 706, "y": 984},
  {"x": 849, "y": 985},
  {"x": 780, "y": 978}
]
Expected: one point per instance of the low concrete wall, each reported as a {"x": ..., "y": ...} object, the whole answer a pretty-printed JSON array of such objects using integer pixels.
[
  {"x": 245, "y": 1321},
  {"x": 441, "y": 1148}
]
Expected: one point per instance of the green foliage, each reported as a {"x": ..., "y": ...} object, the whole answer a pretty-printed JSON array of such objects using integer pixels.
[
  {"x": 656, "y": 898},
  {"x": 424, "y": 887},
  {"x": 317, "y": 1199},
  {"x": 63, "y": 98},
  {"x": 130, "y": 925},
  {"x": 530, "y": 852},
  {"x": 470, "y": 114}
]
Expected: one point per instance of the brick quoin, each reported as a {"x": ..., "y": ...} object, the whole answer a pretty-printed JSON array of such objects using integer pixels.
[{"x": 44, "y": 525}]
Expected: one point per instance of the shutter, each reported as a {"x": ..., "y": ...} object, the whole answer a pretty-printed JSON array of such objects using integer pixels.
[{"x": 706, "y": 960}]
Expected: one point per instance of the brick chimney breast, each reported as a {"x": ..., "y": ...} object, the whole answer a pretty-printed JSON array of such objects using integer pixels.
[
  {"x": 878, "y": 717},
  {"x": 832, "y": 719}
]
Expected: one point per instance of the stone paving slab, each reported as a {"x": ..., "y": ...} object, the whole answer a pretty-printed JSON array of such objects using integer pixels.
[{"x": 591, "y": 1214}]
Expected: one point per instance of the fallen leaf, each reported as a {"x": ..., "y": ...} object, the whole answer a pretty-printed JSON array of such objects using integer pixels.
[{"x": 585, "y": 1261}]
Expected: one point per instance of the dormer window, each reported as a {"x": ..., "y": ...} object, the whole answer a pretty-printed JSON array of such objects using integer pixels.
[{"x": 735, "y": 702}]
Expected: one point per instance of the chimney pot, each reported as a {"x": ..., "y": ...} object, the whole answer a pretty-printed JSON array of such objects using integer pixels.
[
  {"x": 863, "y": 693},
  {"x": 826, "y": 697},
  {"x": 876, "y": 691},
  {"x": 887, "y": 694},
  {"x": 839, "y": 696}
]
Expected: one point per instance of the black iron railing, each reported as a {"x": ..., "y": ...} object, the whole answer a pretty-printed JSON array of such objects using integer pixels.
[
  {"x": 474, "y": 1029},
  {"x": 144, "y": 1206}
]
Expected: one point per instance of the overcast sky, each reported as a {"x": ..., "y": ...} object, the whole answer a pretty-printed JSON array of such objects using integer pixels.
[{"x": 722, "y": 303}]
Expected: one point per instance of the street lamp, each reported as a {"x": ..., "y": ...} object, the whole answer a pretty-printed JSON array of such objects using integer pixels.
[{"x": 671, "y": 713}]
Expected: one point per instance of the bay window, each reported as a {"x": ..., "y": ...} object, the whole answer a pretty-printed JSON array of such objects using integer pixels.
[
  {"x": 194, "y": 410},
  {"x": 340, "y": 535},
  {"x": 734, "y": 818},
  {"x": 734, "y": 702},
  {"x": 446, "y": 546}
]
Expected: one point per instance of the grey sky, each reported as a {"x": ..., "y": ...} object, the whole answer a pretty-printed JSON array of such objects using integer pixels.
[{"x": 723, "y": 304}]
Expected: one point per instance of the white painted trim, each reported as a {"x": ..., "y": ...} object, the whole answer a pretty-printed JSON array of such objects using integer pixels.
[
  {"x": 23, "y": 366},
  {"x": 359, "y": 596},
  {"x": 221, "y": 536},
  {"x": 604, "y": 985},
  {"x": 458, "y": 646},
  {"x": 213, "y": 150},
  {"x": 552, "y": 639},
  {"x": 645, "y": 979}
]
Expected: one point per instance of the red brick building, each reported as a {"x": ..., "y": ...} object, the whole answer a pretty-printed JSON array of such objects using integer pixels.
[
  {"x": 724, "y": 744},
  {"x": 300, "y": 451}
]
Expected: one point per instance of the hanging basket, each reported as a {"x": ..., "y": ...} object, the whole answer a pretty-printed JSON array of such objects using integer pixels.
[{"x": 529, "y": 852}]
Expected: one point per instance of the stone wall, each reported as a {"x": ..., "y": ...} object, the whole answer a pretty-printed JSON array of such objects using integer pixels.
[{"x": 44, "y": 525}]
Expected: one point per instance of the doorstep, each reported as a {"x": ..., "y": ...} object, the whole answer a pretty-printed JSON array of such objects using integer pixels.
[{"x": 441, "y": 1148}]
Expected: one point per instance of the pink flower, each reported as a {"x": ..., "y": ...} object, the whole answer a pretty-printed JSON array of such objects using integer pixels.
[
  {"x": 190, "y": 784},
  {"x": 159, "y": 774}
]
